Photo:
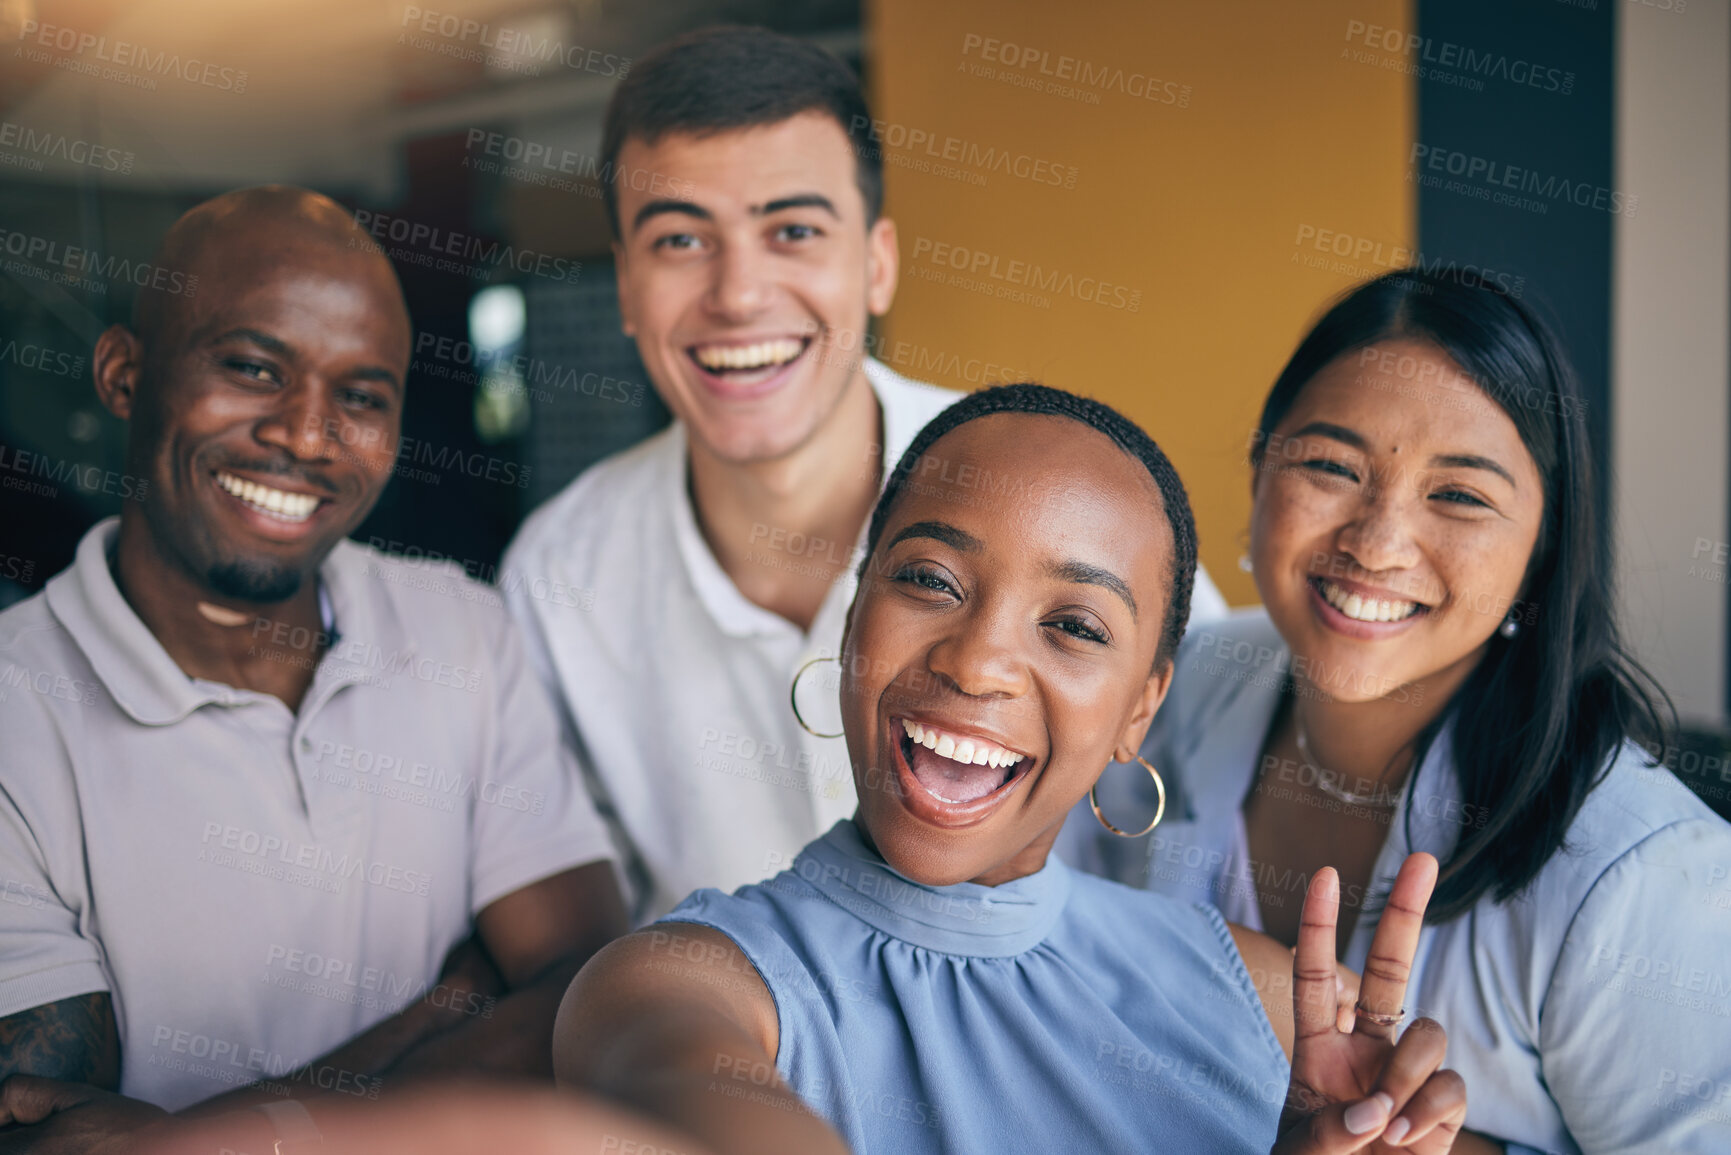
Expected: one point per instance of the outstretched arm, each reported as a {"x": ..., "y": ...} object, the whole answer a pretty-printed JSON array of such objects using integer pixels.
[
  {"x": 675, "y": 1022},
  {"x": 441, "y": 1118}
]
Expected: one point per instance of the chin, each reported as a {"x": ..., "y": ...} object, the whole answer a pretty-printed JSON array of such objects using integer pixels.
[
  {"x": 1338, "y": 677},
  {"x": 929, "y": 866},
  {"x": 256, "y": 581},
  {"x": 917, "y": 852},
  {"x": 754, "y": 448}
]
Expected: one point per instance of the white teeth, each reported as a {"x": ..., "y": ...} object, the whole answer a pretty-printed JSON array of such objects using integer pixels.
[
  {"x": 974, "y": 751},
  {"x": 279, "y": 503},
  {"x": 755, "y": 356},
  {"x": 1364, "y": 609}
]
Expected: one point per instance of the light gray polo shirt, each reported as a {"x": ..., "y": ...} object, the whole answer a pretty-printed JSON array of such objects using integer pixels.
[{"x": 255, "y": 886}]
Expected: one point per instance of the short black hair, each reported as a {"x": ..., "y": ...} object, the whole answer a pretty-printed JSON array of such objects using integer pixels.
[
  {"x": 1044, "y": 401},
  {"x": 731, "y": 77}
]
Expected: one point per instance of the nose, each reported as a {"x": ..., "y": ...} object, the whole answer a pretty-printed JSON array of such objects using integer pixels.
[
  {"x": 306, "y": 424},
  {"x": 1379, "y": 537},
  {"x": 982, "y": 657},
  {"x": 740, "y": 287}
]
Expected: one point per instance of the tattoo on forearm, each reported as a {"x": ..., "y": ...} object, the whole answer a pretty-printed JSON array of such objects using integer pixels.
[{"x": 74, "y": 1039}]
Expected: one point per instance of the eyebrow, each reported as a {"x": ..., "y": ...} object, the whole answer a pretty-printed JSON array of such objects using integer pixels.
[
  {"x": 280, "y": 348},
  {"x": 1473, "y": 461},
  {"x": 798, "y": 201},
  {"x": 940, "y": 531},
  {"x": 656, "y": 208},
  {"x": 263, "y": 340},
  {"x": 1329, "y": 429},
  {"x": 1092, "y": 575},
  {"x": 780, "y": 204}
]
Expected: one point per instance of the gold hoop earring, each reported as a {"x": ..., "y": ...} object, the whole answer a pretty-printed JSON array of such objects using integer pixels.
[
  {"x": 793, "y": 698},
  {"x": 1159, "y": 813}
]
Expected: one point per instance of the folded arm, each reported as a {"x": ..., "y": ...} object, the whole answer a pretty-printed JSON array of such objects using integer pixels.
[
  {"x": 74, "y": 1039},
  {"x": 492, "y": 1011}
]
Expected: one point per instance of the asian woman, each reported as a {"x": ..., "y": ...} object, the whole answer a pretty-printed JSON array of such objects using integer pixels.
[{"x": 1438, "y": 667}]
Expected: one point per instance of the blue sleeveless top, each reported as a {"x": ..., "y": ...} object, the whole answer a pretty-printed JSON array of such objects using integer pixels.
[{"x": 1057, "y": 1012}]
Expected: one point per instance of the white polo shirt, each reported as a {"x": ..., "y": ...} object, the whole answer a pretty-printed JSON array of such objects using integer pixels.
[
  {"x": 253, "y": 886},
  {"x": 676, "y": 687}
]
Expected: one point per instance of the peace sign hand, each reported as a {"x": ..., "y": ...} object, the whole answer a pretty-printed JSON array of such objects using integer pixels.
[{"x": 1362, "y": 1090}]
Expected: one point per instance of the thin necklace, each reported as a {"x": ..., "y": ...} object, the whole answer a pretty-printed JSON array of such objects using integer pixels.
[{"x": 1378, "y": 797}]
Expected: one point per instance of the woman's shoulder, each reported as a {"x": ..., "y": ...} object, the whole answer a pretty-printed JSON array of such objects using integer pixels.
[
  {"x": 775, "y": 908},
  {"x": 1642, "y": 925},
  {"x": 794, "y": 937},
  {"x": 1144, "y": 921},
  {"x": 1641, "y": 809},
  {"x": 1244, "y": 636},
  {"x": 1232, "y": 662},
  {"x": 1642, "y": 849}
]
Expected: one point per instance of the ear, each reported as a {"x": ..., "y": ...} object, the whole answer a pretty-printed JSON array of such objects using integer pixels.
[
  {"x": 117, "y": 366},
  {"x": 1147, "y": 703},
  {"x": 883, "y": 266},
  {"x": 621, "y": 283}
]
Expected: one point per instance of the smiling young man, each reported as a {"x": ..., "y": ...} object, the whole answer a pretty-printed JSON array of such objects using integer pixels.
[
  {"x": 751, "y": 255},
  {"x": 292, "y": 781}
]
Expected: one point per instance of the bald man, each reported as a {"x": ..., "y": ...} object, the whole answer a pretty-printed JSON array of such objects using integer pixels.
[{"x": 278, "y": 815}]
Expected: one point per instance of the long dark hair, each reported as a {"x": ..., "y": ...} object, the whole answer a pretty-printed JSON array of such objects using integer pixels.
[
  {"x": 1044, "y": 401},
  {"x": 1539, "y": 721}
]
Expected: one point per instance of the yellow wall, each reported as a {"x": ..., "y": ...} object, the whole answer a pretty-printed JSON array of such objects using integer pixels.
[{"x": 1201, "y": 208}]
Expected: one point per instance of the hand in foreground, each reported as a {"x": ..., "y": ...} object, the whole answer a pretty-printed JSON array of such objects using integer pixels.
[
  {"x": 50, "y": 1116},
  {"x": 1364, "y": 1089}
]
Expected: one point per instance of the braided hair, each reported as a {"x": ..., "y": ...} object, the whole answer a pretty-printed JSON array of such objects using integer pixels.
[{"x": 1043, "y": 401}]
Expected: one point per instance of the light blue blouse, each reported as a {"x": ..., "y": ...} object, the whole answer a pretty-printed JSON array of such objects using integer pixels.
[
  {"x": 1592, "y": 1013},
  {"x": 1059, "y": 1012}
]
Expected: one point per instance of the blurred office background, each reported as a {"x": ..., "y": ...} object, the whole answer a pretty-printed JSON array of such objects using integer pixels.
[{"x": 1144, "y": 201}]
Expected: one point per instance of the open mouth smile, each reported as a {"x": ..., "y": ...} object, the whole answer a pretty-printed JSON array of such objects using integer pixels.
[
  {"x": 275, "y": 504},
  {"x": 740, "y": 364},
  {"x": 952, "y": 778}
]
